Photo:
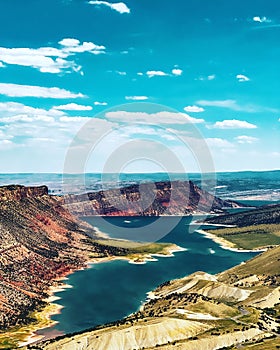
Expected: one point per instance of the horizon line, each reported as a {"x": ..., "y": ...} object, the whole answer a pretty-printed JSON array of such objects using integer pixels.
[{"x": 139, "y": 173}]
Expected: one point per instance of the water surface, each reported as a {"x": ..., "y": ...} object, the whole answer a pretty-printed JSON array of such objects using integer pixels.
[{"x": 110, "y": 291}]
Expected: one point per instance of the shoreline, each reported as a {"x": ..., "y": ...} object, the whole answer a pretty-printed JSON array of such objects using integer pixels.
[
  {"x": 56, "y": 308},
  {"x": 141, "y": 260},
  {"x": 144, "y": 257},
  {"x": 227, "y": 245}
]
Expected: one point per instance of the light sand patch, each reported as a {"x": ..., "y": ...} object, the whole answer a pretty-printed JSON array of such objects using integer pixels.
[
  {"x": 270, "y": 300},
  {"x": 196, "y": 316},
  {"x": 135, "y": 337},
  {"x": 224, "y": 291},
  {"x": 218, "y": 342}
]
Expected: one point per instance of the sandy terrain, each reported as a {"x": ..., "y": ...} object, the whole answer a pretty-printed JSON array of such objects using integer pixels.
[
  {"x": 270, "y": 300},
  {"x": 141, "y": 335}
]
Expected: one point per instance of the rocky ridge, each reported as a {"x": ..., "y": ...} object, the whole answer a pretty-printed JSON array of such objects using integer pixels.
[
  {"x": 40, "y": 241},
  {"x": 148, "y": 199}
]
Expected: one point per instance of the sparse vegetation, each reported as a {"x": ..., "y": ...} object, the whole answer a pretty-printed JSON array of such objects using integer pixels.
[{"x": 250, "y": 237}]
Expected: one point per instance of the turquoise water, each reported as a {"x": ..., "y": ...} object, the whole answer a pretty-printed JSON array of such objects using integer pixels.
[{"x": 110, "y": 291}]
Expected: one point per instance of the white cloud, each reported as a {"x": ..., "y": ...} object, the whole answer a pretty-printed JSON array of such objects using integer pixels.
[
  {"x": 120, "y": 72},
  {"x": 15, "y": 108},
  {"x": 140, "y": 74},
  {"x": 219, "y": 143},
  {"x": 15, "y": 90},
  {"x": 242, "y": 78},
  {"x": 156, "y": 73},
  {"x": 67, "y": 119},
  {"x": 49, "y": 59},
  {"x": 194, "y": 109},
  {"x": 233, "y": 105},
  {"x": 211, "y": 77},
  {"x": 70, "y": 42},
  {"x": 73, "y": 107},
  {"x": 153, "y": 118},
  {"x": 246, "y": 139},
  {"x": 208, "y": 77},
  {"x": 27, "y": 119},
  {"x": 177, "y": 71},
  {"x": 97, "y": 103},
  {"x": 261, "y": 19},
  {"x": 136, "y": 98},
  {"x": 6, "y": 144},
  {"x": 119, "y": 7},
  {"x": 234, "y": 124},
  {"x": 77, "y": 47}
]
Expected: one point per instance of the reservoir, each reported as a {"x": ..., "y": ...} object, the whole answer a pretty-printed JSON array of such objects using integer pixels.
[{"x": 111, "y": 290}]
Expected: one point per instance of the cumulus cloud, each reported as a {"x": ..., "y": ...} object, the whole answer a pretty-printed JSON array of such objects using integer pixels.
[
  {"x": 246, "y": 139},
  {"x": 27, "y": 119},
  {"x": 261, "y": 19},
  {"x": 29, "y": 126},
  {"x": 156, "y": 73},
  {"x": 119, "y": 7},
  {"x": 194, "y": 109},
  {"x": 15, "y": 108},
  {"x": 177, "y": 71},
  {"x": 234, "y": 124},
  {"x": 97, "y": 103},
  {"x": 242, "y": 78},
  {"x": 70, "y": 42},
  {"x": 153, "y": 118},
  {"x": 16, "y": 90},
  {"x": 73, "y": 107},
  {"x": 136, "y": 98},
  {"x": 159, "y": 73},
  {"x": 50, "y": 59}
]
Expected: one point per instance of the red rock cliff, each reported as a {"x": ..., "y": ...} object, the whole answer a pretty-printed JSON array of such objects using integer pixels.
[{"x": 17, "y": 192}]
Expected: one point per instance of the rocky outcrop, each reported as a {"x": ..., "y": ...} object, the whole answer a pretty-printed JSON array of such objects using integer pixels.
[
  {"x": 40, "y": 241},
  {"x": 149, "y": 199},
  {"x": 17, "y": 192}
]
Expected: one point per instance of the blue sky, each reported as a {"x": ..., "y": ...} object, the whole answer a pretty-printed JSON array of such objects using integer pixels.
[{"x": 214, "y": 64}]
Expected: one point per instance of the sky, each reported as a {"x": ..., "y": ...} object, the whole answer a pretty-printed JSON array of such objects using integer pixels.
[{"x": 139, "y": 86}]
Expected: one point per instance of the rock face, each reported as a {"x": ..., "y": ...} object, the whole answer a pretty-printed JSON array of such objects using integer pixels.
[
  {"x": 40, "y": 241},
  {"x": 17, "y": 192},
  {"x": 150, "y": 199}
]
